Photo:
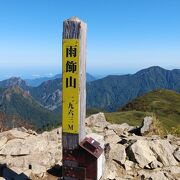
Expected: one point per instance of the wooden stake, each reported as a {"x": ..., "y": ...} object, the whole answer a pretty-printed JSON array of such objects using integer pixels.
[{"x": 75, "y": 29}]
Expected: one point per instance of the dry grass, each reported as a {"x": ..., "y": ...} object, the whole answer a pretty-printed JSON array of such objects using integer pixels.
[
  {"x": 174, "y": 131},
  {"x": 157, "y": 128}
]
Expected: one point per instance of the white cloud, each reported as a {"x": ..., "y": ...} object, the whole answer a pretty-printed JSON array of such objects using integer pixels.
[
  {"x": 49, "y": 74},
  {"x": 36, "y": 75}
]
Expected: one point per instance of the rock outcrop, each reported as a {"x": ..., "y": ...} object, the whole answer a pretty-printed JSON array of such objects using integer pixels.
[
  {"x": 147, "y": 123},
  {"x": 29, "y": 153},
  {"x": 126, "y": 155}
]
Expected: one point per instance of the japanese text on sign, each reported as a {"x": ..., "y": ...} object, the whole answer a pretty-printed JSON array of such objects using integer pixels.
[{"x": 70, "y": 67}]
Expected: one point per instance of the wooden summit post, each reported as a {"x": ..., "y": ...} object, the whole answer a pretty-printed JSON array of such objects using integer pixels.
[{"x": 74, "y": 89}]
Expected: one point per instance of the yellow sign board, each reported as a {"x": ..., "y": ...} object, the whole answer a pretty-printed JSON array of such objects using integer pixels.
[{"x": 70, "y": 83}]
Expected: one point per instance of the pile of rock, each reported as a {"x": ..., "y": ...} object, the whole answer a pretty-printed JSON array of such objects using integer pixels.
[
  {"x": 126, "y": 155},
  {"x": 129, "y": 156},
  {"x": 28, "y": 153}
]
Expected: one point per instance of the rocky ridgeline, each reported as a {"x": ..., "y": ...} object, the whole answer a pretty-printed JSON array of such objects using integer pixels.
[{"x": 126, "y": 155}]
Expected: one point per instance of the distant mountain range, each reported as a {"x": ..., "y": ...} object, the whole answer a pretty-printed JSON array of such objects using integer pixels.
[
  {"x": 37, "y": 81},
  {"x": 109, "y": 93},
  {"x": 113, "y": 92}
]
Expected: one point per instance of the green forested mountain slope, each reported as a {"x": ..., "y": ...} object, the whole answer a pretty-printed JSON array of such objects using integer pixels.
[
  {"x": 113, "y": 92},
  {"x": 163, "y": 104},
  {"x": 15, "y": 101}
]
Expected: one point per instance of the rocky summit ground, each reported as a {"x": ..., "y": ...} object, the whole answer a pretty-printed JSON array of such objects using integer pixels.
[{"x": 26, "y": 154}]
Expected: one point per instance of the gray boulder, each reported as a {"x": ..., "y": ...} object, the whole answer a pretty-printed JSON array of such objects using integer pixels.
[
  {"x": 97, "y": 120},
  {"x": 21, "y": 149},
  {"x": 152, "y": 153},
  {"x": 117, "y": 153},
  {"x": 163, "y": 150},
  {"x": 146, "y": 125},
  {"x": 141, "y": 153},
  {"x": 111, "y": 137},
  {"x": 119, "y": 129}
]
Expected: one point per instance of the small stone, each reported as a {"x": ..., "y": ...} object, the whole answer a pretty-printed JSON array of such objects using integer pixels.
[
  {"x": 117, "y": 153},
  {"x": 141, "y": 153},
  {"x": 177, "y": 154},
  {"x": 15, "y": 147},
  {"x": 146, "y": 125},
  {"x": 170, "y": 137},
  {"x": 152, "y": 175},
  {"x": 110, "y": 171},
  {"x": 169, "y": 176},
  {"x": 173, "y": 170},
  {"x": 164, "y": 151},
  {"x": 3, "y": 141},
  {"x": 120, "y": 128},
  {"x": 97, "y": 120},
  {"x": 114, "y": 139},
  {"x": 155, "y": 164},
  {"x": 128, "y": 165}
]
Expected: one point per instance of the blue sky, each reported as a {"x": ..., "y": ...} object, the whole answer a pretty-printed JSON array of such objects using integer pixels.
[{"x": 124, "y": 36}]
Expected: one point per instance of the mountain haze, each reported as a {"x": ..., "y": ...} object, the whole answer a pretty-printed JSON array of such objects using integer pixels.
[{"x": 38, "y": 81}]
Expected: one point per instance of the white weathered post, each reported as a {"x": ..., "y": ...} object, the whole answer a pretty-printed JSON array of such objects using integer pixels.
[
  {"x": 82, "y": 157},
  {"x": 74, "y": 89}
]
